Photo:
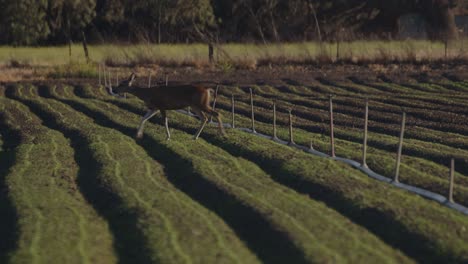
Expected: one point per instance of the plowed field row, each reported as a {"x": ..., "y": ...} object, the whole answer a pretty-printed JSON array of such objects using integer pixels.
[{"x": 80, "y": 189}]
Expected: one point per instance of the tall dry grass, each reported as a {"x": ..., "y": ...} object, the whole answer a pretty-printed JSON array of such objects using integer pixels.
[{"x": 237, "y": 55}]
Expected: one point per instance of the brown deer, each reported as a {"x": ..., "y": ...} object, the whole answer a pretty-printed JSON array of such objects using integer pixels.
[{"x": 172, "y": 97}]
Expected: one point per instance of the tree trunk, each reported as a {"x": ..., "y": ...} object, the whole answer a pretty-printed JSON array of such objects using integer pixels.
[
  {"x": 159, "y": 23},
  {"x": 316, "y": 22},
  {"x": 69, "y": 39},
  {"x": 259, "y": 26},
  {"x": 273, "y": 27},
  {"x": 85, "y": 46}
]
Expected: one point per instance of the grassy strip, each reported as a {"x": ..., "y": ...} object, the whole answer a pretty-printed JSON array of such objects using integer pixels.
[
  {"x": 156, "y": 222},
  {"x": 405, "y": 220},
  {"x": 9, "y": 139},
  {"x": 55, "y": 222},
  {"x": 309, "y": 224}
]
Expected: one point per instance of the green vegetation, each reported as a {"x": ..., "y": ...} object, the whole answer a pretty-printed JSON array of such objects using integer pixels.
[
  {"x": 234, "y": 199},
  {"x": 56, "y": 221},
  {"x": 160, "y": 223},
  {"x": 308, "y": 229},
  {"x": 408, "y": 222}
]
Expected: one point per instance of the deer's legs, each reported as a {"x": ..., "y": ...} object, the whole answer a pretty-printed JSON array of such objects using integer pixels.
[
  {"x": 166, "y": 123},
  {"x": 203, "y": 120},
  {"x": 220, "y": 122},
  {"x": 145, "y": 118}
]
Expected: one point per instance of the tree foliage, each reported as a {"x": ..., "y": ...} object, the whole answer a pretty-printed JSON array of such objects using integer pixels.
[{"x": 28, "y": 22}]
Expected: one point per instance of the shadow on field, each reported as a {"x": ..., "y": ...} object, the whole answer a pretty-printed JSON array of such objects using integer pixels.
[
  {"x": 9, "y": 217},
  {"x": 129, "y": 242},
  {"x": 269, "y": 244}
]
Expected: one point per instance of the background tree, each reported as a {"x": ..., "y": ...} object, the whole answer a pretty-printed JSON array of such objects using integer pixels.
[{"x": 23, "y": 22}]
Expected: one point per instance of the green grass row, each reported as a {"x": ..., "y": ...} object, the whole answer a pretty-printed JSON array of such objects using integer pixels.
[
  {"x": 152, "y": 221},
  {"x": 55, "y": 221},
  {"x": 320, "y": 233},
  {"x": 422, "y": 229}
]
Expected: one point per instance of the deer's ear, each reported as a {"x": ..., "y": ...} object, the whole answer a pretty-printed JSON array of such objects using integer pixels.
[{"x": 131, "y": 78}]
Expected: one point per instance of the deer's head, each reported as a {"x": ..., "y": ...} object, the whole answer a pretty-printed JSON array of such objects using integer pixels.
[{"x": 123, "y": 86}]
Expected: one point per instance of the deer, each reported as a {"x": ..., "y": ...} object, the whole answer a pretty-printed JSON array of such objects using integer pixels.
[{"x": 172, "y": 97}]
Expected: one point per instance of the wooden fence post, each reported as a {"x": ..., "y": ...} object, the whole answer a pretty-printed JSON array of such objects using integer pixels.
[
  {"x": 110, "y": 78},
  {"x": 167, "y": 79},
  {"x": 214, "y": 101},
  {"x": 291, "y": 136},
  {"x": 364, "y": 144},
  {"x": 452, "y": 179},
  {"x": 232, "y": 111},
  {"x": 104, "y": 75},
  {"x": 400, "y": 148},
  {"x": 252, "y": 110},
  {"x": 275, "y": 136},
  {"x": 149, "y": 80},
  {"x": 446, "y": 47},
  {"x": 332, "y": 136},
  {"x": 99, "y": 70},
  {"x": 210, "y": 52}
]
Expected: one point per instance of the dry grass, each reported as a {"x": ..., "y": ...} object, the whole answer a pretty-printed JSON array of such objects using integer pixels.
[{"x": 235, "y": 56}]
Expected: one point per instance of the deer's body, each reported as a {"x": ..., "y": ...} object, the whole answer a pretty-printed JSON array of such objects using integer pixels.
[{"x": 173, "y": 97}]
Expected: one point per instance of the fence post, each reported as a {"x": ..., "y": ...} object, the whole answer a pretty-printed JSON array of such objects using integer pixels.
[
  {"x": 446, "y": 47},
  {"x": 400, "y": 148},
  {"x": 252, "y": 110},
  {"x": 214, "y": 101},
  {"x": 291, "y": 136},
  {"x": 232, "y": 111},
  {"x": 275, "y": 136},
  {"x": 210, "y": 52},
  {"x": 332, "y": 136},
  {"x": 149, "y": 80},
  {"x": 167, "y": 79},
  {"x": 110, "y": 78},
  {"x": 99, "y": 70},
  {"x": 104, "y": 75},
  {"x": 452, "y": 179},
  {"x": 311, "y": 146},
  {"x": 364, "y": 144}
]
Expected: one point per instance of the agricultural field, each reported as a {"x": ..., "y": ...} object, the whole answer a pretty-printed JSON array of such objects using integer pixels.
[{"x": 76, "y": 187}]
